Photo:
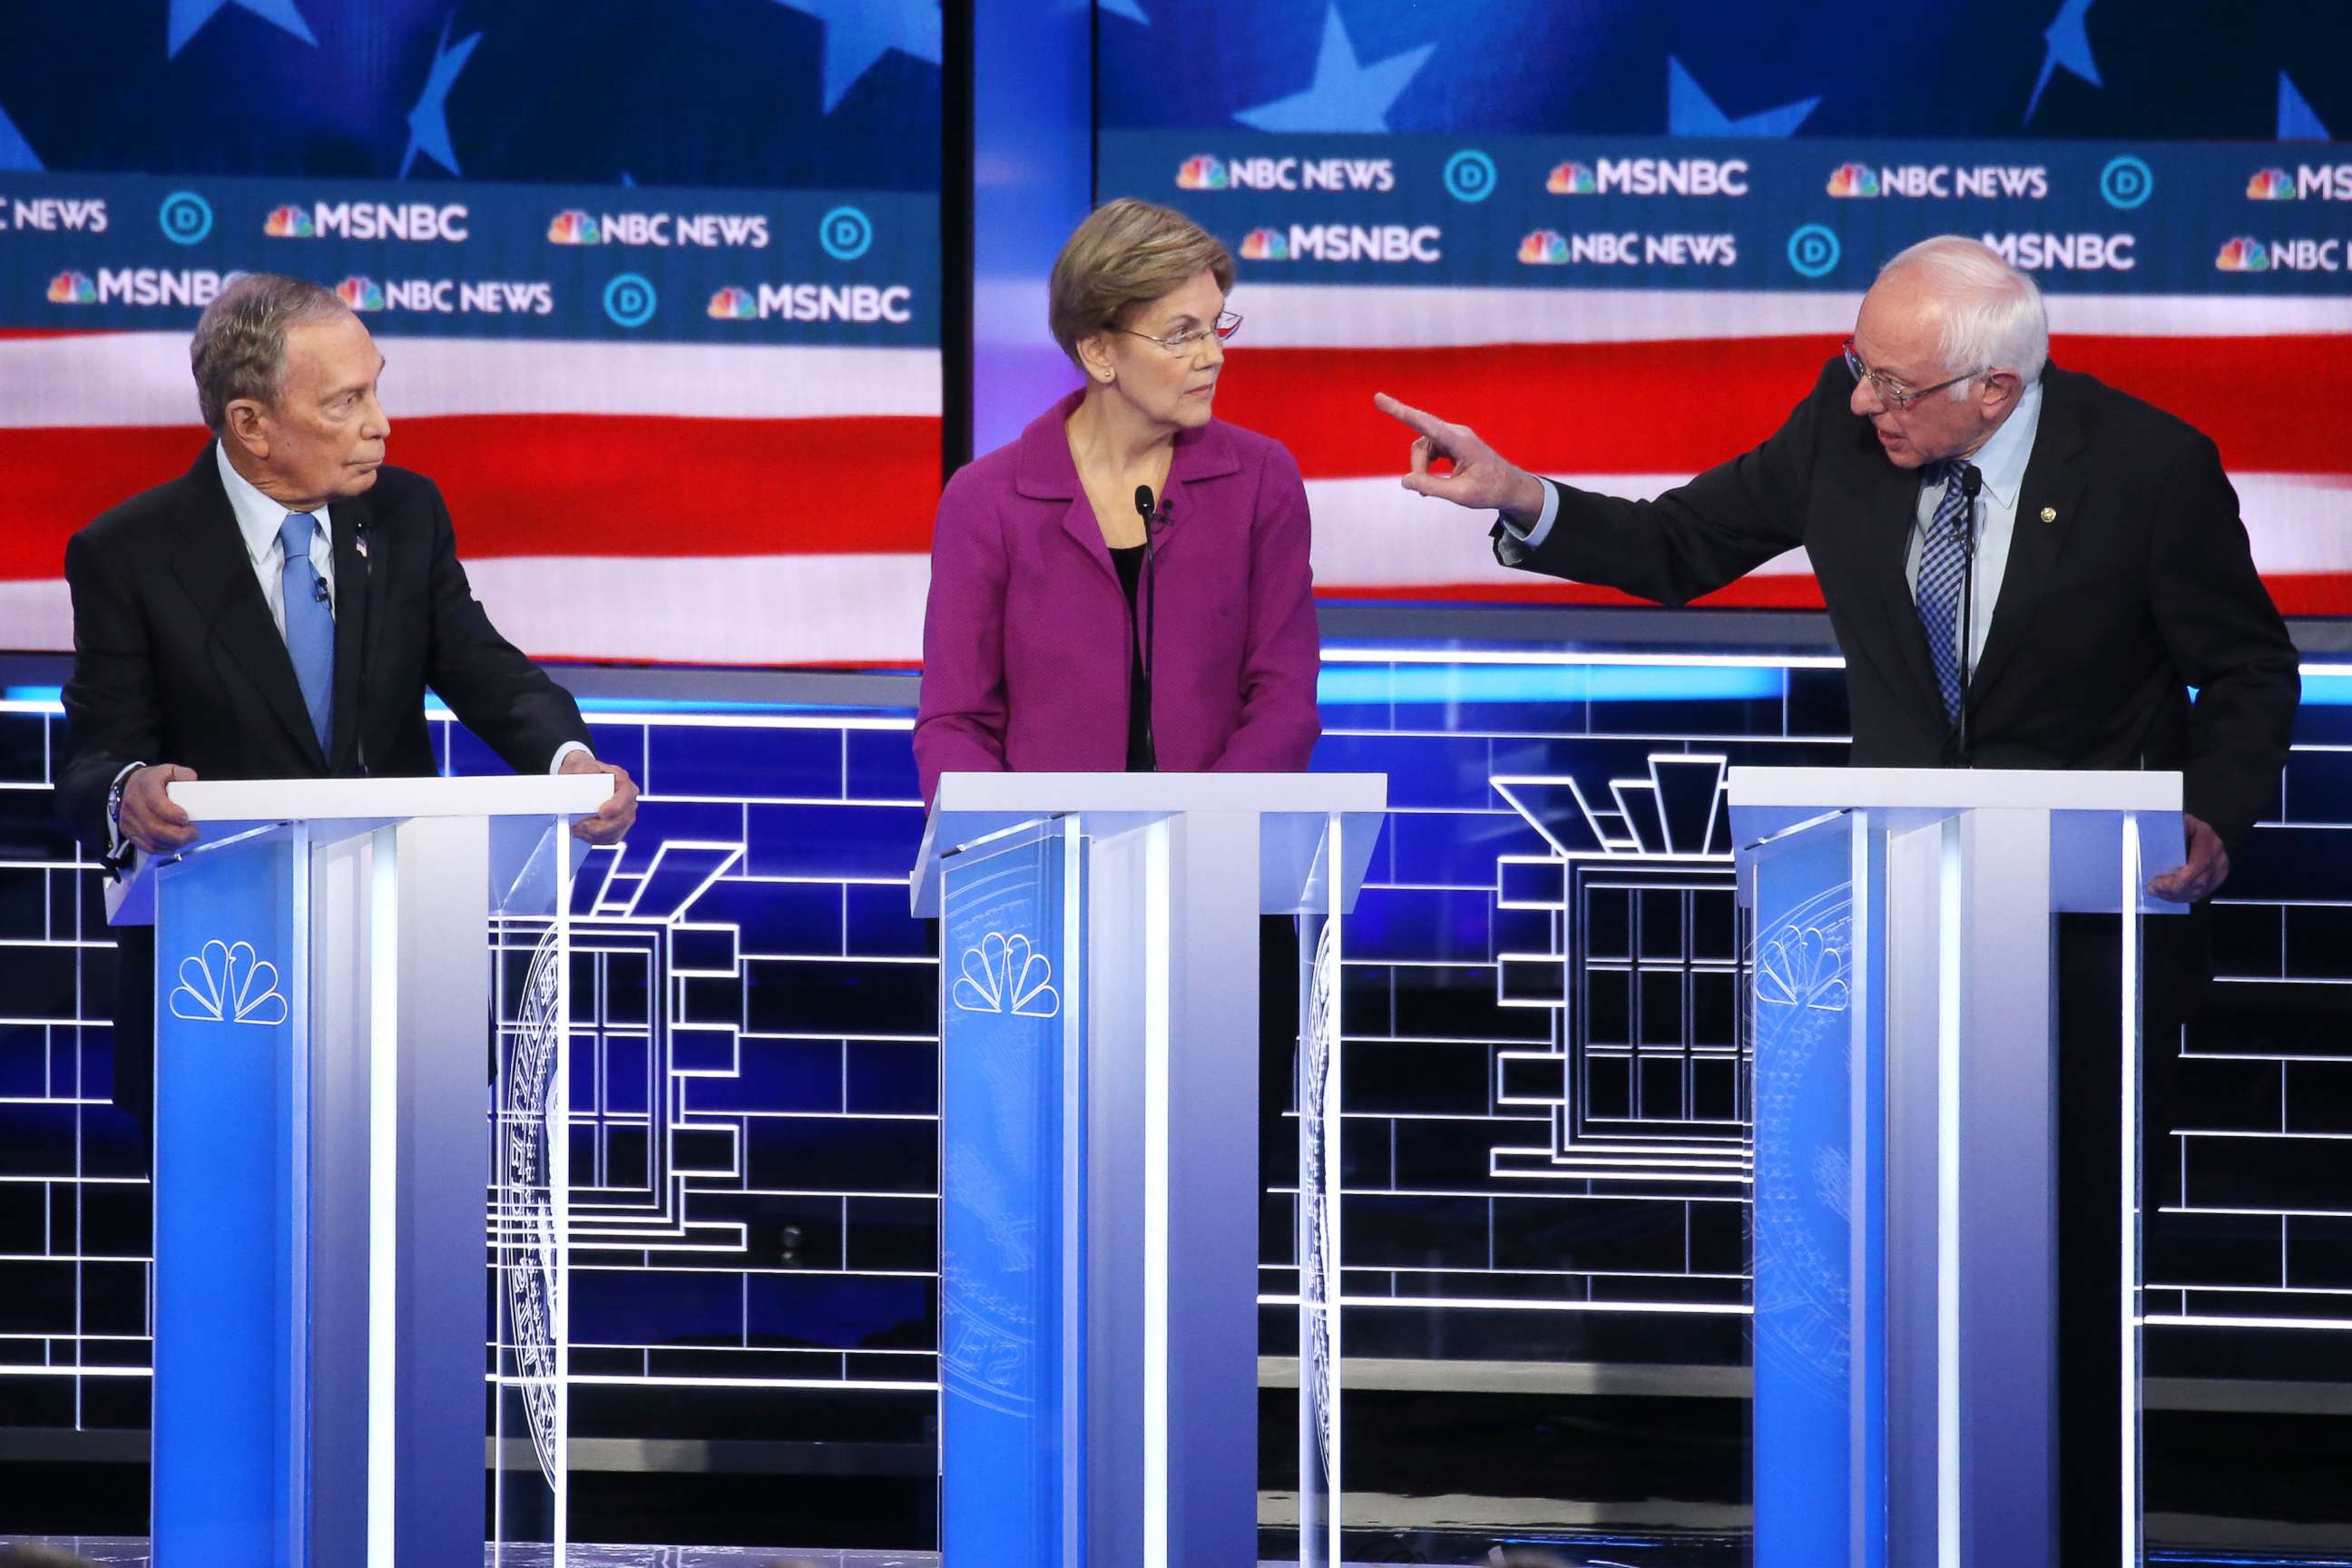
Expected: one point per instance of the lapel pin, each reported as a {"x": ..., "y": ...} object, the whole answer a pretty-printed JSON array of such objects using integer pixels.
[{"x": 2049, "y": 514}]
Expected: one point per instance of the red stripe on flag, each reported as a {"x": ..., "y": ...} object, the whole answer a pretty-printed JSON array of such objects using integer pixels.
[
  {"x": 1678, "y": 407},
  {"x": 545, "y": 484}
]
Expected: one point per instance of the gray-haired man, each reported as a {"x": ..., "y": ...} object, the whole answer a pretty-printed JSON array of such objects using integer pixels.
[
  {"x": 2110, "y": 573},
  {"x": 279, "y": 611}
]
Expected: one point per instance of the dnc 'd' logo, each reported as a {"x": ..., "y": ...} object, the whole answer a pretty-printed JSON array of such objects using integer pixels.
[
  {"x": 1544, "y": 247},
  {"x": 2243, "y": 254},
  {"x": 573, "y": 226},
  {"x": 1202, "y": 171},
  {"x": 1571, "y": 179},
  {"x": 1265, "y": 244},
  {"x": 72, "y": 289},
  {"x": 1854, "y": 179}
]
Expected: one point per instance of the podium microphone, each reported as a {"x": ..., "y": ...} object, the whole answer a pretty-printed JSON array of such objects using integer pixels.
[
  {"x": 1148, "y": 507},
  {"x": 1965, "y": 527}
]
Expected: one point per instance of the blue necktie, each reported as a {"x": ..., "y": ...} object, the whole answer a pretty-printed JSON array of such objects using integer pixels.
[
  {"x": 1943, "y": 565},
  {"x": 310, "y": 624}
]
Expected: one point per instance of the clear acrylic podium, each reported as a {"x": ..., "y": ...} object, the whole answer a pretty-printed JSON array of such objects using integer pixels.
[
  {"x": 1098, "y": 1154},
  {"x": 325, "y": 1130},
  {"x": 1901, "y": 1003}
]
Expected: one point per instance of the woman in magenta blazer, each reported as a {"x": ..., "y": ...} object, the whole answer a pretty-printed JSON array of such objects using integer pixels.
[{"x": 1064, "y": 632}]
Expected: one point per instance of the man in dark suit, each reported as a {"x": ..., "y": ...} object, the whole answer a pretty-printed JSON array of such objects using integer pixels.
[
  {"x": 2110, "y": 573},
  {"x": 279, "y": 611}
]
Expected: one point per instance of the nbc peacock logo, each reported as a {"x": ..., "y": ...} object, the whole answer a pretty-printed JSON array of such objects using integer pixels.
[
  {"x": 1571, "y": 179},
  {"x": 1544, "y": 247},
  {"x": 1265, "y": 244},
  {"x": 1201, "y": 172},
  {"x": 290, "y": 223},
  {"x": 72, "y": 289},
  {"x": 2243, "y": 254},
  {"x": 1854, "y": 179},
  {"x": 2271, "y": 185},
  {"x": 360, "y": 293},
  {"x": 573, "y": 226},
  {"x": 733, "y": 304}
]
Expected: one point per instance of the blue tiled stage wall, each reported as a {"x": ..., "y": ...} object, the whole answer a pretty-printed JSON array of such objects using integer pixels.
[{"x": 759, "y": 1017}]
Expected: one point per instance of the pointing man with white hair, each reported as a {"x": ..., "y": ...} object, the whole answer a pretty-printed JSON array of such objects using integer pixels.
[
  {"x": 2110, "y": 575},
  {"x": 2111, "y": 571}
]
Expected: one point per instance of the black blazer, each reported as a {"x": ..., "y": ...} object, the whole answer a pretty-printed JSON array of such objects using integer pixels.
[
  {"x": 2140, "y": 585},
  {"x": 177, "y": 660}
]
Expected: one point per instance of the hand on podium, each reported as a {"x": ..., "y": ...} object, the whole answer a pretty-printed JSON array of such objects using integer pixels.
[
  {"x": 1483, "y": 478},
  {"x": 148, "y": 817},
  {"x": 2208, "y": 867},
  {"x": 613, "y": 820}
]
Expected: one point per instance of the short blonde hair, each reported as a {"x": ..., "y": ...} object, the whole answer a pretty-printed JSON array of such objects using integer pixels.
[{"x": 1127, "y": 253}]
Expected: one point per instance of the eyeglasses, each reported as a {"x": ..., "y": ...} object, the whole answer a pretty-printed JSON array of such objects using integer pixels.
[
  {"x": 1896, "y": 397},
  {"x": 1224, "y": 327}
]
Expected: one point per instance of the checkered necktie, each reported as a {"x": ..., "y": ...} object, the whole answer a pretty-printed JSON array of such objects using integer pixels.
[{"x": 1943, "y": 564}]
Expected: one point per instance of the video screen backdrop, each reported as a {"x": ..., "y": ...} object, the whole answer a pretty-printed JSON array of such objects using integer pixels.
[
  {"x": 657, "y": 282},
  {"x": 1620, "y": 238}
]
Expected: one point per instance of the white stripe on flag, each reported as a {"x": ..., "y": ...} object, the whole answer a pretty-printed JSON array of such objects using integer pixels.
[
  {"x": 1375, "y": 533},
  {"x": 1373, "y": 316},
  {"x": 141, "y": 378}
]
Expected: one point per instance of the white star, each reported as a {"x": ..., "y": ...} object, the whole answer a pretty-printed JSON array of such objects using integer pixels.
[
  {"x": 188, "y": 15},
  {"x": 1344, "y": 95},
  {"x": 859, "y": 32}
]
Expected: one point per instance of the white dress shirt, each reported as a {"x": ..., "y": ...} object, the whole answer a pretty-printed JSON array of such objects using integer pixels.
[
  {"x": 258, "y": 519},
  {"x": 2002, "y": 462}
]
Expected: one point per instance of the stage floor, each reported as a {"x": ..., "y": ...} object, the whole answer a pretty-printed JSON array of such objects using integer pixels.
[{"x": 119, "y": 1551}]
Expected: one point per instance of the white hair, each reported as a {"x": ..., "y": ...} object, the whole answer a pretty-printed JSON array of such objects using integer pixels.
[{"x": 1993, "y": 317}]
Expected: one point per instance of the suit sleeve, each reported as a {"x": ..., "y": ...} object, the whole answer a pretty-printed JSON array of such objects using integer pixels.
[
  {"x": 1282, "y": 655},
  {"x": 1696, "y": 537},
  {"x": 2228, "y": 641},
  {"x": 487, "y": 683},
  {"x": 113, "y": 715},
  {"x": 960, "y": 716}
]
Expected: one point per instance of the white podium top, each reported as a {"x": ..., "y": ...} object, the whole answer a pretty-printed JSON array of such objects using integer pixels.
[
  {"x": 972, "y": 806},
  {"x": 1953, "y": 789},
  {"x": 390, "y": 800},
  {"x": 339, "y": 808},
  {"x": 2086, "y": 838}
]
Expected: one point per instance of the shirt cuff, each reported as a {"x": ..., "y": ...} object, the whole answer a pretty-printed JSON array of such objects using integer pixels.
[
  {"x": 1532, "y": 536},
  {"x": 564, "y": 751},
  {"x": 113, "y": 827}
]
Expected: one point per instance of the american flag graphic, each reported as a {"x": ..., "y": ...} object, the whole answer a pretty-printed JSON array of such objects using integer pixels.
[
  {"x": 694, "y": 502},
  {"x": 1629, "y": 393}
]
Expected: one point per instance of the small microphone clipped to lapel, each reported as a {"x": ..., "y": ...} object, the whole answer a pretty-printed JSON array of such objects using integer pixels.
[{"x": 2049, "y": 514}]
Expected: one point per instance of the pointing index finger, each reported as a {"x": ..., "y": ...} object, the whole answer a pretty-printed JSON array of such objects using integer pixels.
[{"x": 1428, "y": 425}]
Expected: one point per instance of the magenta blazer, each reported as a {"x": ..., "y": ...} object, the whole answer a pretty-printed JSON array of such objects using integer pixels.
[{"x": 1026, "y": 637}]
